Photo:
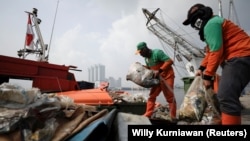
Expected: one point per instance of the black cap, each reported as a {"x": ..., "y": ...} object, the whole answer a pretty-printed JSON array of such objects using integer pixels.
[{"x": 191, "y": 11}]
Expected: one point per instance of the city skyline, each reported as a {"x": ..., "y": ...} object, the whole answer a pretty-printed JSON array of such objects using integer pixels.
[{"x": 97, "y": 74}]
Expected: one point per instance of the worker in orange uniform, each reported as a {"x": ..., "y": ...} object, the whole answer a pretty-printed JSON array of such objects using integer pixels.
[
  {"x": 216, "y": 78},
  {"x": 158, "y": 61},
  {"x": 229, "y": 46}
]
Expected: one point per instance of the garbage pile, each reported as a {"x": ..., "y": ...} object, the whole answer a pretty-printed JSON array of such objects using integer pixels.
[
  {"x": 29, "y": 115},
  {"x": 124, "y": 97},
  {"x": 161, "y": 112}
]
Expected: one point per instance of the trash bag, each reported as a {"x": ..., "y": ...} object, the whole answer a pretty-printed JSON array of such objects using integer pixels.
[
  {"x": 194, "y": 102},
  {"x": 200, "y": 105},
  {"x": 141, "y": 76}
]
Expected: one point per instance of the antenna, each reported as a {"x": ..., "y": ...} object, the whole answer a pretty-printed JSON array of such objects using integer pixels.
[{"x": 52, "y": 30}]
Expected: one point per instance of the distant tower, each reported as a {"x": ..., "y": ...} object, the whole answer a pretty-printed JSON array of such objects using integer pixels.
[
  {"x": 91, "y": 74},
  {"x": 119, "y": 82},
  {"x": 101, "y": 71},
  {"x": 96, "y": 73}
]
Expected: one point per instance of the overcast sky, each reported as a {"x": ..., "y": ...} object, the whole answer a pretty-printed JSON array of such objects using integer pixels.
[{"x": 89, "y": 32}]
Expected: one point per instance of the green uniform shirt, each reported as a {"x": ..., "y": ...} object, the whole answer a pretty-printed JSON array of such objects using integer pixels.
[
  {"x": 213, "y": 33},
  {"x": 156, "y": 57}
]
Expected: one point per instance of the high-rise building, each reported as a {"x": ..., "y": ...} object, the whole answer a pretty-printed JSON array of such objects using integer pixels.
[{"x": 96, "y": 73}]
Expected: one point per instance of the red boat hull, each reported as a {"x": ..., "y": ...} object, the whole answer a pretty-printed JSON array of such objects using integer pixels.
[{"x": 45, "y": 76}]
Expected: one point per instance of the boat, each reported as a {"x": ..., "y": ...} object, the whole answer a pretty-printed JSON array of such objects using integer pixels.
[
  {"x": 64, "y": 109},
  {"x": 86, "y": 110},
  {"x": 44, "y": 75}
]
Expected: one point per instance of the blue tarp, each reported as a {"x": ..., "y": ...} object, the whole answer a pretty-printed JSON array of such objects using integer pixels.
[{"x": 98, "y": 130}]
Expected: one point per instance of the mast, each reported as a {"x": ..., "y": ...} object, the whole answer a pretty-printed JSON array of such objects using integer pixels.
[
  {"x": 41, "y": 52},
  {"x": 38, "y": 32}
]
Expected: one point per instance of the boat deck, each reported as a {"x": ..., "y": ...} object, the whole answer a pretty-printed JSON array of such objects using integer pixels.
[{"x": 245, "y": 101}]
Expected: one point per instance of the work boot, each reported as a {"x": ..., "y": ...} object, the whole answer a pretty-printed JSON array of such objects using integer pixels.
[
  {"x": 149, "y": 109},
  {"x": 172, "y": 110}
]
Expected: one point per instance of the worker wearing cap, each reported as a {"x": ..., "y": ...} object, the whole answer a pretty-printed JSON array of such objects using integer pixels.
[
  {"x": 158, "y": 61},
  {"x": 228, "y": 46}
]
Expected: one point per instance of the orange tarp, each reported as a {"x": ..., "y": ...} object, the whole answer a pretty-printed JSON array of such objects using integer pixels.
[{"x": 89, "y": 96}]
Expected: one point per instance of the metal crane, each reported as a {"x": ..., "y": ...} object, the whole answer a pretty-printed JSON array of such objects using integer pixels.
[
  {"x": 40, "y": 51},
  {"x": 232, "y": 12},
  {"x": 180, "y": 46},
  {"x": 185, "y": 49}
]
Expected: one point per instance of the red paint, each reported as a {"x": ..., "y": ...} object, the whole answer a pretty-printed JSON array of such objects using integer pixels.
[{"x": 47, "y": 77}]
